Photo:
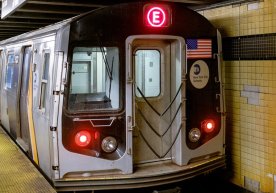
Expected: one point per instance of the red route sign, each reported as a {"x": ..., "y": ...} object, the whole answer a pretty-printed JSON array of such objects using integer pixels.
[{"x": 157, "y": 15}]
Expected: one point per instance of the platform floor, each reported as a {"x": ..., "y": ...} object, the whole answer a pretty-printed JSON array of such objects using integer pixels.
[{"x": 17, "y": 173}]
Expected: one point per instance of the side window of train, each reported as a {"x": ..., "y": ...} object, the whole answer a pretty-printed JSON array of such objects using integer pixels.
[
  {"x": 94, "y": 79},
  {"x": 9, "y": 70},
  {"x": 44, "y": 79},
  {"x": 147, "y": 73}
]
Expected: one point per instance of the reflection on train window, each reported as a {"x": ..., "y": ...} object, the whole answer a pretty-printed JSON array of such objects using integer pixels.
[
  {"x": 9, "y": 71},
  {"x": 44, "y": 80},
  {"x": 147, "y": 73},
  {"x": 94, "y": 79}
]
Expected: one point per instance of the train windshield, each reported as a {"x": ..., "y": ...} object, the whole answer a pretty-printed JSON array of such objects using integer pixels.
[{"x": 94, "y": 79}]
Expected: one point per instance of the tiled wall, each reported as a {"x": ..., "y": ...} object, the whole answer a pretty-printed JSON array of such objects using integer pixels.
[{"x": 250, "y": 97}]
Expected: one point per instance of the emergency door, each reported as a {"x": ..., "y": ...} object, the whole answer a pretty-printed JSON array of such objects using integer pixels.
[{"x": 157, "y": 67}]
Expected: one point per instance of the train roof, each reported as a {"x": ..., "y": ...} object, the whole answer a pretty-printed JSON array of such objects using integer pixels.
[
  {"x": 128, "y": 7},
  {"x": 116, "y": 23},
  {"x": 43, "y": 30}
]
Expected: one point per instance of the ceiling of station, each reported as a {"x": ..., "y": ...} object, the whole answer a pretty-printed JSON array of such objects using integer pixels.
[{"x": 38, "y": 13}]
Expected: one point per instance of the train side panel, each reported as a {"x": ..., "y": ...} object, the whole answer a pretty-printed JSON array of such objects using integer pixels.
[
  {"x": 27, "y": 97},
  {"x": 3, "y": 97}
]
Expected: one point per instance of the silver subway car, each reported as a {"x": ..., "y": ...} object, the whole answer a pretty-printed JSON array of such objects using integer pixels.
[{"x": 128, "y": 95}]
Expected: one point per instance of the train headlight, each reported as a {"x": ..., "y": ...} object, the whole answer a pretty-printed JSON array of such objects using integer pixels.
[
  {"x": 82, "y": 138},
  {"x": 109, "y": 144},
  {"x": 194, "y": 134}
]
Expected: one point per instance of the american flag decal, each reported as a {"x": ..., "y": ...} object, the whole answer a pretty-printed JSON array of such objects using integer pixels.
[{"x": 199, "y": 48}]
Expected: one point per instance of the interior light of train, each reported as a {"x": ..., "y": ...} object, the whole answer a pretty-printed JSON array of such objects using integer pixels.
[
  {"x": 82, "y": 138},
  {"x": 208, "y": 125},
  {"x": 157, "y": 16}
]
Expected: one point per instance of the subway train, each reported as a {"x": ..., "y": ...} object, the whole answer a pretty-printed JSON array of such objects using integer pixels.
[{"x": 125, "y": 96}]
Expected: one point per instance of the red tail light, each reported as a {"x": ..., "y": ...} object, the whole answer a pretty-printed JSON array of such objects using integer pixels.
[
  {"x": 97, "y": 135},
  {"x": 208, "y": 125},
  {"x": 82, "y": 138}
]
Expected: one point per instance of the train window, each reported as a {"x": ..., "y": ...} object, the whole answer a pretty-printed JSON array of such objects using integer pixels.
[
  {"x": 44, "y": 80},
  {"x": 46, "y": 66},
  {"x": 147, "y": 73},
  {"x": 9, "y": 71},
  {"x": 94, "y": 79}
]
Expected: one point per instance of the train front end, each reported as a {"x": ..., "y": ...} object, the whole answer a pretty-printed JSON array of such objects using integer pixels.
[{"x": 143, "y": 98}]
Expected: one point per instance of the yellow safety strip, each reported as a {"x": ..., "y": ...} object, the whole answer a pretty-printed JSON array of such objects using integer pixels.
[{"x": 30, "y": 117}]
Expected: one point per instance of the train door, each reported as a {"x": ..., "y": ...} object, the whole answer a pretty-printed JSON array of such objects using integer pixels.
[
  {"x": 43, "y": 59},
  {"x": 24, "y": 134},
  {"x": 12, "y": 75},
  {"x": 156, "y": 69}
]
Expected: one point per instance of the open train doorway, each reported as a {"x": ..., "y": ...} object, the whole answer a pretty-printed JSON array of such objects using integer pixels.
[{"x": 158, "y": 66}]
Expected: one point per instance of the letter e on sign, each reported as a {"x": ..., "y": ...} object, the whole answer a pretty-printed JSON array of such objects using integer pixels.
[{"x": 157, "y": 15}]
